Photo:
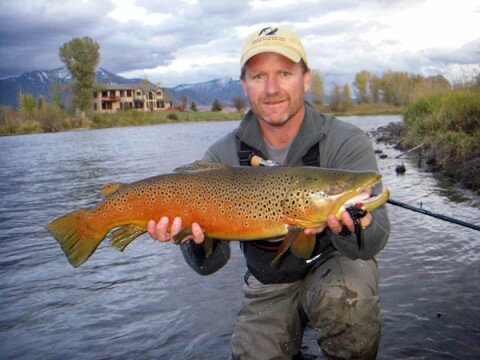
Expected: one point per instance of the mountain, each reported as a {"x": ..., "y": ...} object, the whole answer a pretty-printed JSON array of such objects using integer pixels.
[
  {"x": 205, "y": 93},
  {"x": 39, "y": 82}
]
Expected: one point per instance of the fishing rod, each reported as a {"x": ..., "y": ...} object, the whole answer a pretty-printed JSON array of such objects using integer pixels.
[
  {"x": 258, "y": 161},
  {"x": 432, "y": 214}
]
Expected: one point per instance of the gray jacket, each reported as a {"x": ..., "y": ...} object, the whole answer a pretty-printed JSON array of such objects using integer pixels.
[{"x": 341, "y": 146}]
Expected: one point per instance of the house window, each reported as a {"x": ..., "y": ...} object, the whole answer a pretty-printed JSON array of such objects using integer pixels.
[
  {"x": 122, "y": 93},
  {"x": 104, "y": 93},
  {"x": 129, "y": 93},
  {"x": 94, "y": 94},
  {"x": 139, "y": 93}
]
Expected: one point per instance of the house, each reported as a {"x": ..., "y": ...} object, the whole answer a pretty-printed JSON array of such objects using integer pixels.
[{"x": 143, "y": 96}]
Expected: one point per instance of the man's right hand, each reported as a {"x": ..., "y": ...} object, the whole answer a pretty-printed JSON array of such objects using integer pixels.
[{"x": 159, "y": 230}]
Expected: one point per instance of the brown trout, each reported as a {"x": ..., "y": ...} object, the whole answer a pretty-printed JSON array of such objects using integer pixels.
[{"x": 229, "y": 203}]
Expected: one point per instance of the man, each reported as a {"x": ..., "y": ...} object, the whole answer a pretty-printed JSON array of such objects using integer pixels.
[{"x": 336, "y": 292}]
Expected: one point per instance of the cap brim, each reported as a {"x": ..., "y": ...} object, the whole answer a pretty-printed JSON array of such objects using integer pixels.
[{"x": 289, "y": 54}]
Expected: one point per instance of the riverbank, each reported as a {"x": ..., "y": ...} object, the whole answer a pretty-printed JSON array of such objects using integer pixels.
[
  {"x": 50, "y": 118},
  {"x": 443, "y": 132}
]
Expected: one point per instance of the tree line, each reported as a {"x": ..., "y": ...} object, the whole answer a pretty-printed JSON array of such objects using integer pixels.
[{"x": 392, "y": 88}]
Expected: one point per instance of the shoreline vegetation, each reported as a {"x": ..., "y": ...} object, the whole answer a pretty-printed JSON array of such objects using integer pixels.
[
  {"x": 45, "y": 118},
  {"x": 443, "y": 132}
]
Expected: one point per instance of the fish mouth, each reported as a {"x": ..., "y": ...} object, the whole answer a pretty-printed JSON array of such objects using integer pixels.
[{"x": 366, "y": 201}]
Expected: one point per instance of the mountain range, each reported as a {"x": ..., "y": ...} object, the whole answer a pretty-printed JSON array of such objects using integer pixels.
[{"x": 39, "y": 83}]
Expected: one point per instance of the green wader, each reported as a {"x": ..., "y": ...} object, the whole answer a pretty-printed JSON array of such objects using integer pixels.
[{"x": 338, "y": 298}]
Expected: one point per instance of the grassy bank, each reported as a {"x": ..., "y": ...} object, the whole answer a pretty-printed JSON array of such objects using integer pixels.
[
  {"x": 53, "y": 119},
  {"x": 364, "y": 109},
  {"x": 448, "y": 126}
]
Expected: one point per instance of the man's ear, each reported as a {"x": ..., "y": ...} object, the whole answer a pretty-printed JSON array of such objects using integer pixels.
[
  {"x": 244, "y": 86},
  {"x": 306, "y": 81}
]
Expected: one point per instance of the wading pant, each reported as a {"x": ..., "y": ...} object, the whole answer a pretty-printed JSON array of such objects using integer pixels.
[{"x": 338, "y": 298}]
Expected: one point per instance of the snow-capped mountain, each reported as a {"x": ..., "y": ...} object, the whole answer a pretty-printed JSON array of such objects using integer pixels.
[{"x": 39, "y": 83}]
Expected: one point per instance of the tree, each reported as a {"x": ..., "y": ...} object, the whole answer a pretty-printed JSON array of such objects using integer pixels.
[
  {"x": 193, "y": 106},
  {"x": 26, "y": 103},
  {"x": 335, "y": 98},
  {"x": 216, "y": 106},
  {"x": 239, "y": 103},
  {"x": 362, "y": 80},
  {"x": 56, "y": 94},
  {"x": 375, "y": 86},
  {"x": 345, "y": 97},
  {"x": 183, "y": 103},
  {"x": 81, "y": 57},
  {"x": 316, "y": 88}
]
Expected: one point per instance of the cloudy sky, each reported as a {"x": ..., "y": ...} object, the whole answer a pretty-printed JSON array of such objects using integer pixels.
[{"x": 188, "y": 41}]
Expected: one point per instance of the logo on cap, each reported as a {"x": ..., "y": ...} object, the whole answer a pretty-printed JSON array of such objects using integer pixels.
[{"x": 268, "y": 31}]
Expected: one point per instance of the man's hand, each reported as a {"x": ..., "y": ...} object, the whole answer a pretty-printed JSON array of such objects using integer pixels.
[
  {"x": 336, "y": 225},
  {"x": 159, "y": 230}
]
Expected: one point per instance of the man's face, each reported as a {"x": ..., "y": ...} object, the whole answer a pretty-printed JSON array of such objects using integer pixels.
[{"x": 275, "y": 87}]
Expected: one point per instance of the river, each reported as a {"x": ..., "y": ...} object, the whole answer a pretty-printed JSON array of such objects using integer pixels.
[{"x": 146, "y": 302}]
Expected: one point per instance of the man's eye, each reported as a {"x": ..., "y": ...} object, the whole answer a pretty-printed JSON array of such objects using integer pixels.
[
  {"x": 257, "y": 76},
  {"x": 285, "y": 73}
]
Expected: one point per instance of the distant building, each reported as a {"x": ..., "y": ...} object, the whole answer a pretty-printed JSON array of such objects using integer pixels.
[{"x": 143, "y": 96}]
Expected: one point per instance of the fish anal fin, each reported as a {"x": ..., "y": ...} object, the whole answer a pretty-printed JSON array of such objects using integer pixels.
[
  {"x": 286, "y": 243},
  {"x": 199, "y": 166},
  {"x": 111, "y": 188},
  {"x": 303, "y": 245},
  {"x": 123, "y": 236}
]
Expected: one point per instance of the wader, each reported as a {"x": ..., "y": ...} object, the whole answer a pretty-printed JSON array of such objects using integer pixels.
[{"x": 338, "y": 298}]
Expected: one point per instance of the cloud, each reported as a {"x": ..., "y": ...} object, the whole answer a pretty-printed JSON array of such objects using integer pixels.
[{"x": 198, "y": 40}]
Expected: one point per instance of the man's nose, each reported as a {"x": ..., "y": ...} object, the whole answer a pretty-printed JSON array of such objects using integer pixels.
[{"x": 272, "y": 86}]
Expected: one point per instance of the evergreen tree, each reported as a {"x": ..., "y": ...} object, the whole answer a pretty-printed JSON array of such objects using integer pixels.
[
  {"x": 193, "y": 106},
  {"x": 216, "y": 106}
]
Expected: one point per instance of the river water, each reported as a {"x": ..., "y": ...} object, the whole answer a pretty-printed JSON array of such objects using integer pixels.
[{"x": 146, "y": 302}]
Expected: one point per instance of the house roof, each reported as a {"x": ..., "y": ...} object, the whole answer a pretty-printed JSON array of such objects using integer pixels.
[{"x": 145, "y": 86}]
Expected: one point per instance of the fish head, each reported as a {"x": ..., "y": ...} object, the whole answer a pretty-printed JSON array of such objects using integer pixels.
[{"x": 317, "y": 193}]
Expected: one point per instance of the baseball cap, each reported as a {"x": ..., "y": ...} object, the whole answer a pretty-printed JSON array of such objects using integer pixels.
[{"x": 273, "y": 39}]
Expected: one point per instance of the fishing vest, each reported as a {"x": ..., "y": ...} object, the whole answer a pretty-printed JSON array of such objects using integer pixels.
[{"x": 260, "y": 253}]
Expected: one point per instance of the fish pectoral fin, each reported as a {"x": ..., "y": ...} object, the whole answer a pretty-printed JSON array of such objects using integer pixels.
[
  {"x": 286, "y": 243},
  {"x": 111, "y": 188},
  {"x": 207, "y": 243},
  {"x": 303, "y": 245},
  {"x": 208, "y": 246},
  {"x": 123, "y": 236},
  {"x": 199, "y": 165},
  {"x": 183, "y": 233}
]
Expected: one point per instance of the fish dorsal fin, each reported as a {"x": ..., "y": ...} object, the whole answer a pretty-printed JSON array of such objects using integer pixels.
[
  {"x": 200, "y": 165},
  {"x": 110, "y": 188}
]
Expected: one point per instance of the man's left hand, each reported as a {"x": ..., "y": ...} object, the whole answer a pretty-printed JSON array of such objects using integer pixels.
[{"x": 336, "y": 225}]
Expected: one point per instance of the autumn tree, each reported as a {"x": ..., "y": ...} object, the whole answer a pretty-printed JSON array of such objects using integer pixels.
[
  {"x": 335, "y": 98},
  {"x": 81, "y": 57},
  {"x": 375, "y": 88},
  {"x": 239, "y": 103},
  {"x": 345, "y": 97},
  {"x": 316, "y": 87},
  {"x": 183, "y": 103},
  {"x": 361, "y": 82}
]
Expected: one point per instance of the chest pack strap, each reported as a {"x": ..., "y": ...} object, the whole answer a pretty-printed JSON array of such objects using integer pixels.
[{"x": 311, "y": 157}]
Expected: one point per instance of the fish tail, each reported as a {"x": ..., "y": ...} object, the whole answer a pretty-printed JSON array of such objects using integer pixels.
[{"x": 77, "y": 235}]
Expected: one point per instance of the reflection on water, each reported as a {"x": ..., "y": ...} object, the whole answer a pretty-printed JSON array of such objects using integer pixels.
[{"x": 146, "y": 303}]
